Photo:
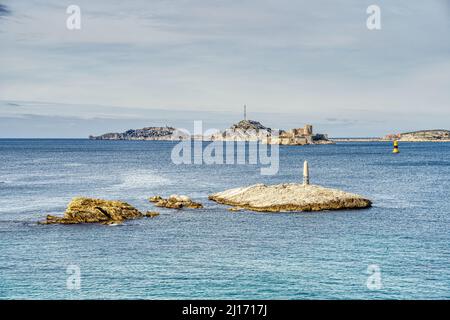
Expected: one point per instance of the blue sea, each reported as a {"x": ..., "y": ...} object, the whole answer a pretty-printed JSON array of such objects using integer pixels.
[{"x": 213, "y": 253}]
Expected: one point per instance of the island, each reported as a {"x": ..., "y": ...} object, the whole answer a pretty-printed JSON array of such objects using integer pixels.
[
  {"x": 421, "y": 136},
  {"x": 435, "y": 135},
  {"x": 289, "y": 197},
  {"x": 87, "y": 210},
  {"x": 148, "y": 133}
]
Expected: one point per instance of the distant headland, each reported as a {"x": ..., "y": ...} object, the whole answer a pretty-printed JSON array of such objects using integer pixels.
[
  {"x": 244, "y": 130},
  {"x": 435, "y": 135},
  {"x": 422, "y": 135}
]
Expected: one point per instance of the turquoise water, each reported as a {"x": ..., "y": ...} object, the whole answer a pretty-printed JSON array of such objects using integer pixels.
[{"x": 214, "y": 253}]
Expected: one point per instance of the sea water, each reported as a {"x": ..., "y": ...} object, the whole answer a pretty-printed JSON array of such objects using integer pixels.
[{"x": 213, "y": 253}]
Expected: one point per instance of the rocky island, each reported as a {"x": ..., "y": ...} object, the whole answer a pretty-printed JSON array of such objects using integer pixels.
[
  {"x": 421, "y": 136},
  {"x": 87, "y": 210},
  {"x": 148, "y": 133},
  {"x": 437, "y": 135},
  {"x": 289, "y": 197}
]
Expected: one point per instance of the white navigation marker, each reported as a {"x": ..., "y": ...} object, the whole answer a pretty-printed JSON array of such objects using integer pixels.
[{"x": 305, "y": 173}]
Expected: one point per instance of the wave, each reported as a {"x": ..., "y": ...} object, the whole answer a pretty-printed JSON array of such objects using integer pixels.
[
  {"x": 34, "y": 206},
  {"x": 141, "y": 179},
  {"x": 72, "y": 164}
]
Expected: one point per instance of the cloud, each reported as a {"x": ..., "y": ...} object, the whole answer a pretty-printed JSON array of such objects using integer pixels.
[
  {"x": 310, "y": 60},
  {"x": 4, "y": 11}
]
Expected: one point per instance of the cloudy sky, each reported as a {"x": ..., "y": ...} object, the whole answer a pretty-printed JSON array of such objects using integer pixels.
[{"x": 141, "y": 63}]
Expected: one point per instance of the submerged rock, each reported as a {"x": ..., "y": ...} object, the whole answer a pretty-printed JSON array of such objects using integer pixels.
[
  {"x": 176, "y": 202},
  {"x": 112, "y": 223},
  {"x": 165, "y": 203},
  {"x": 151, "y": 214},
  {"x": 289, "y": 197},
  {"x": 87, "y": 210},
  {"x": 155, "y": 198}
]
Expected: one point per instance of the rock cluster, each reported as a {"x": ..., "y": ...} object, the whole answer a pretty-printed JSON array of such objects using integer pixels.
[
  {"x": 175, "y": 202},
  {"x": 86, "y": 210},
  {"x": 260, "y": 197},
  {"x": 289, "y": 197}
]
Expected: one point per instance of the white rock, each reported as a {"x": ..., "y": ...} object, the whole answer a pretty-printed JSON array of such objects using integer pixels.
[{"x": 290, "y": 197}]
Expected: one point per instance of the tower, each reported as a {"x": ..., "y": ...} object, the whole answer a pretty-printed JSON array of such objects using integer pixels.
[
  {"x": 245, "y": 112},
  {"x": 305, "y": 173},
  {"x": 308, "y": 130}
]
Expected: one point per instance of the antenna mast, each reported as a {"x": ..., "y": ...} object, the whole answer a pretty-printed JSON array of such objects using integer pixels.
[{"x": 245, "y": 112}]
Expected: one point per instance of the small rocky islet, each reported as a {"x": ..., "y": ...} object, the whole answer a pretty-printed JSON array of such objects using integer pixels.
[
  {"x": 175, "y": 202},
  {"x": 289, "y": 197},
  {"x": 87, "y": 210}
]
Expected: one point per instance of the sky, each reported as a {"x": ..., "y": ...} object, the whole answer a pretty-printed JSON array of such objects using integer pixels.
[{"x": 156, "y": 62}]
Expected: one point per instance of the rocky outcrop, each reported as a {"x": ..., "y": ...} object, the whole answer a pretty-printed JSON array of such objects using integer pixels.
[
  {"x": 289, "y": 197},
  {"x": 155, "y": 199},
  {"x": 149, "y": 133},
  {"x": 245, "y": 130},
  {"x": 175, "y": 202},
  {"x": 421, "y": 136},
  {"x": 87, "y": 210},
  {"x": 246, "y": 125},
  {"x": 151, "y": 214}
]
